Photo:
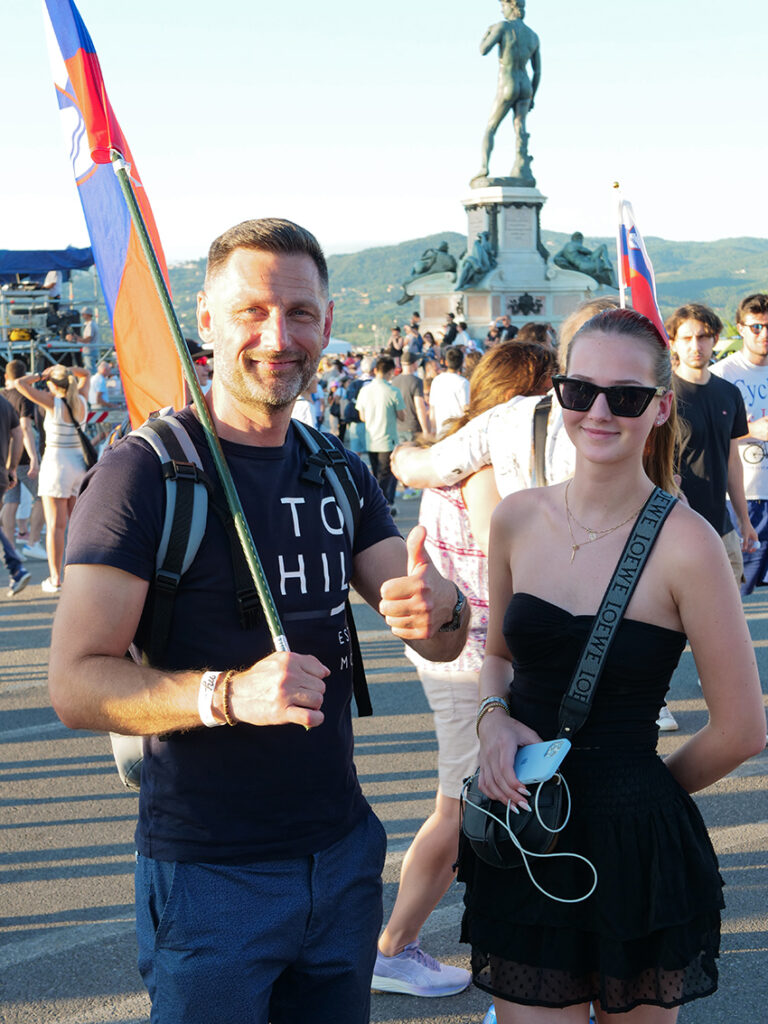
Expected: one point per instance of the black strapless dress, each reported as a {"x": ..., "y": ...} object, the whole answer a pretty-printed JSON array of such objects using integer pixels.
[{"x": 650, "y": 932}]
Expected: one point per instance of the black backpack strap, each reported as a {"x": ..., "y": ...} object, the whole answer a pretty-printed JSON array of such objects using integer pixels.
[
  {"x": 186, "y": 511},
  {"x": 326, "y": 461},
  {"x": 359, "y": 680},
  {"x": 539, "y": 441}
]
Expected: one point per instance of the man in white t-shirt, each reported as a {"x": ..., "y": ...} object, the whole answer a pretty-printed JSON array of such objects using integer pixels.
[
  {"x": 449, "y": 393},
  {"x": 98, "y": 391},
  {"x": 52, "y": 283},
  {"x": 748, "y": 370},
  {"x": 380, "y": 405}
]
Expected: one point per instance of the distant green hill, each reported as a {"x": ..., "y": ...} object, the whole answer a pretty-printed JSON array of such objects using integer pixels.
[{"x": 366, "y": 285}]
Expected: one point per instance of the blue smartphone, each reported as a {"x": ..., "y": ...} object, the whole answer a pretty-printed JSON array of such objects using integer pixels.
[{"x": 539, "y": 761}]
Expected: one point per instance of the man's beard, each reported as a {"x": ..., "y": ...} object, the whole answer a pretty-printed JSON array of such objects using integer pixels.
[{"x": 271, "y": 391}]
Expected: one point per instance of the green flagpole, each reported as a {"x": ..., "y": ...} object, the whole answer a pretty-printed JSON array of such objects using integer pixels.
[{"x": 233, "y": 499}]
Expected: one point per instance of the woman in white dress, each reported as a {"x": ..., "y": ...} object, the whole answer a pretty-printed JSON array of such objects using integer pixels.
[{"x": 62, "y": 467}]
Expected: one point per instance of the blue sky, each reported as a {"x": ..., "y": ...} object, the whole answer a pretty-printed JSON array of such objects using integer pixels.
[{"x": 364, "y": 122}]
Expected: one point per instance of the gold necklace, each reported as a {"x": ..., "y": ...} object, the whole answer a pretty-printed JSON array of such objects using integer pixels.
[{"x": 592, "y": 535}]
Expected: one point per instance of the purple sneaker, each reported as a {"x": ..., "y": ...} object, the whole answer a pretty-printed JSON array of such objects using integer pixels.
[{"x": 415, "y": 973}]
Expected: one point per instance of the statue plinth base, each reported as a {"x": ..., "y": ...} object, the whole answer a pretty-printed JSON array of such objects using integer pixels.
[
  {"x": 485, "y": 181},
  {"x": 525, "y": 284}
]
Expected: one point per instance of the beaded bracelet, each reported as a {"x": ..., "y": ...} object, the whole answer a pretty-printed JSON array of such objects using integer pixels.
[
  {"x": 488, "y": 705},
  {"x": 226, "y": 693}
]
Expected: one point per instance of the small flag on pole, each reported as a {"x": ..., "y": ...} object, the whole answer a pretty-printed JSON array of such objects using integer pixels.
[
  {"x": 636, "y": 269},
  {"x": 149, "y": 366}
]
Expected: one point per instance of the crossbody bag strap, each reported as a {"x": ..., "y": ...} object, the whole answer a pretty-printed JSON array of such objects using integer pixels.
[
  {"x": 576, "y": 703},
  {"x": 78, "y": 428}
]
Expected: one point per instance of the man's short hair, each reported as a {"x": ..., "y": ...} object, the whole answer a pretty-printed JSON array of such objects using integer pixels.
[
  {"x": 693, "y": 311},
  {"x": 454, "y": 358},
  {"x": 384, "y": 365},
  {"x": 462, "y": 325},
  {"x": 408, "y": 357},
  {"x": 268, "y": 234},
  {"x": 416, "y": 313},
  {"x": 451, "y": 316},
  {"x": 15, "y": 368},
  {"x": 754, "y": 304}
]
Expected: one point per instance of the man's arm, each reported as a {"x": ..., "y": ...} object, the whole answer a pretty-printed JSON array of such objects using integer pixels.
[
  {"x": 450, "y": 460},
  {"x": 758, "y": 429},
  {"x": 422, "y": 415},
  {"x": 399, "y": 580},
  {"x": 14, "y": 449},
  {"x": 30, "y": 446},
  {"x": 94, "y": 686},
  {"x": 749, "y": 538}
]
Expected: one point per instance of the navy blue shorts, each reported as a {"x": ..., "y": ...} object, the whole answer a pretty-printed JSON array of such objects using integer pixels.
[{"x": 274, "y": 941}]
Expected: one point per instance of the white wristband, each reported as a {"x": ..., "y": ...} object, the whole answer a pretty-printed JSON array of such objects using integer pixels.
[{"x": 208, "y": 681}]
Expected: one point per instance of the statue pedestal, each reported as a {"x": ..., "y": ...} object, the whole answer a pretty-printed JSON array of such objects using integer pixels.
[{"x": 525, "y": 284}]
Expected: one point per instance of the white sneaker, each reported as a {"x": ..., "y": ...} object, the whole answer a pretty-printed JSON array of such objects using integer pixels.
[
  {"x": 33, "y": 551},
  {"x": 666, "y": 720},
  {"x": 414, "y": 973},
  {"x": 49, "y": 587}
]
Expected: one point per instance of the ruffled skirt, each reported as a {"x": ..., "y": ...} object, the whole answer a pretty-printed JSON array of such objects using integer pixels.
[{"x": 650, "y": 932}]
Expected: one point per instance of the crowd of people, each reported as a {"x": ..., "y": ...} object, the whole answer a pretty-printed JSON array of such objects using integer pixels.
[
  {"x": 41, "y": 414},
  {"x": 259, "y": 859},
  {"x": 431, "y": 376}
]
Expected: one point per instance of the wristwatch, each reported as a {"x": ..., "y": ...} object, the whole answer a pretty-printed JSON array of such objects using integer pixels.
[{"x": 453, "y": 623}]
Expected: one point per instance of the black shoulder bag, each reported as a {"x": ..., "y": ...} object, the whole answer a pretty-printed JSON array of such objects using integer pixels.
[{"x": 502, "y": 839}]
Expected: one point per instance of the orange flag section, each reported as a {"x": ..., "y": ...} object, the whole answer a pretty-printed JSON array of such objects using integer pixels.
[{"x": 149, "y": 364}]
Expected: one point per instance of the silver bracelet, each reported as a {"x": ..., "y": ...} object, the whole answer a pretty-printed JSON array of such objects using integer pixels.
[{"x": 488, "y": 705}]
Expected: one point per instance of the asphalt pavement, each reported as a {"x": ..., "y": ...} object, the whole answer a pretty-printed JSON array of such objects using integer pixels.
[{"x": 67, "y": 949}]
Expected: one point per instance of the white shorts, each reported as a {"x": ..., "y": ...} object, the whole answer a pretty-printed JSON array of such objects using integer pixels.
[{"x": 453, "y": 697}]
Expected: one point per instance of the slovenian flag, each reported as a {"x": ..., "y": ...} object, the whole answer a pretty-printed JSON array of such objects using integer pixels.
[
  {"x": 636, "y": 268},
  {"x": 149, "y": 366}
]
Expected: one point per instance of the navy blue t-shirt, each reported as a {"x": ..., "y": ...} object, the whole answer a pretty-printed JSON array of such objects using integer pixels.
[{"x": 249, "y": 792}]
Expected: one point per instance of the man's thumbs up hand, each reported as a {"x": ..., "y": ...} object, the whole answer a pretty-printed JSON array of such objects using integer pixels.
[
  {"x": 418, "y": 558},
  {"x": 416, "y": 605}
]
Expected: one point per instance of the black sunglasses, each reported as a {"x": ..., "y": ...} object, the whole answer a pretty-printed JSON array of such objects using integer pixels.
[{"x": 630, "y": 400}]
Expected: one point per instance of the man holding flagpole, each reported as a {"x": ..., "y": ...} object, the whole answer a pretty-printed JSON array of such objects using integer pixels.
[{"x": 259, "y": 860}]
